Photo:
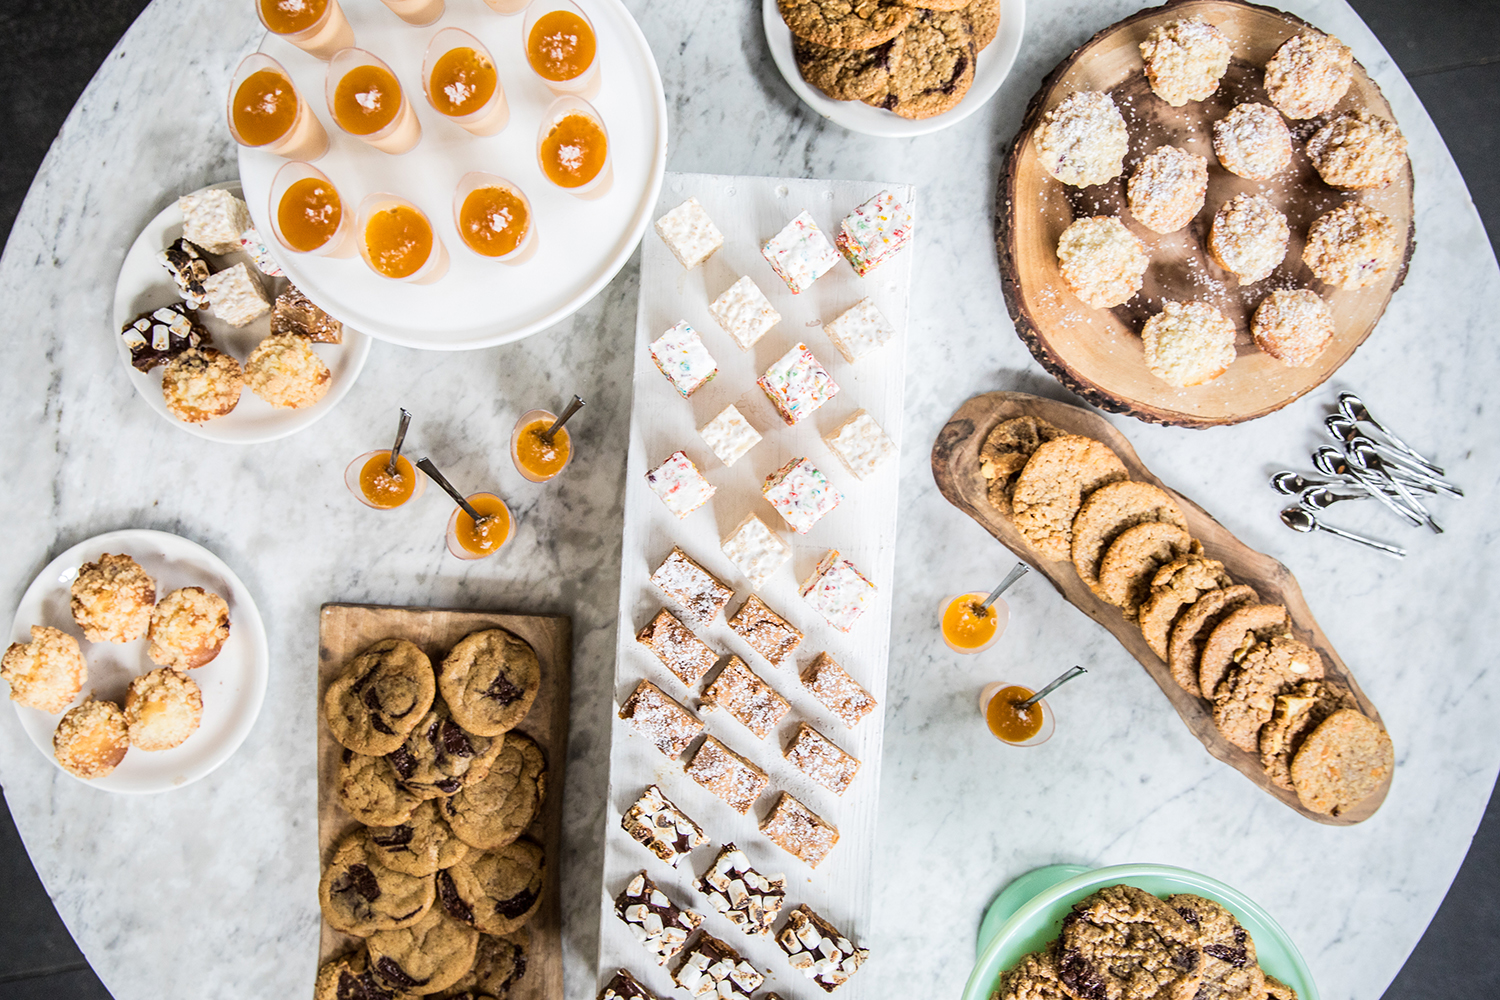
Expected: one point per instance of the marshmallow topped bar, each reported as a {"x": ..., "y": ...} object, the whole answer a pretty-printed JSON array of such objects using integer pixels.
[
  {"x": 662, "y": 828},
  {"x": 689, "y": 233},
  {"x": 800, "y": 253},
  {"x": 860, "y": 444},
  {"x": 801, "y": 493},
  {"x": 874, "y": 232},
  {"x": 679, "y": 484},
  {"x": 756, "y": 550},
  {"x": 680, "y": 356},
  {"x": 623, "y": 986},
  {"x": 189, "y": 269},
  {"x": 815, "y": 948},
  {"x": 730, "y": 435},
  {"x": 744, "y": 312},
  {"x": 797, "y": 384},
  {"x": 748, "y": 899},
  {"x": 710, "y": 968},
  {"x": 859, "y": 330},
  {"x": 838, "y": 591},
  {"x": 657, "y": 923}
]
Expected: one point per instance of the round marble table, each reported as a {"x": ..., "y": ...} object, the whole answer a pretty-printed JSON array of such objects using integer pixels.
[{"x": 210, "y": 891}]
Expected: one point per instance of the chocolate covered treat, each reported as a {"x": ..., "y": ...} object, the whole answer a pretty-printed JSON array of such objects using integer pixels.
[
  {"x": 710, "y": 968},
  {"x": 657, "y": 922},
  {"x": 748, "y": 899},
  {"x": 188, "y": 265},
  {"x": 623, "y": 986},
  {"x": 159, "y": 335},
  {"x": 295, "y": 313},
  {"x": 665, "y": 830},
  {"x": 815, "y": 948}
]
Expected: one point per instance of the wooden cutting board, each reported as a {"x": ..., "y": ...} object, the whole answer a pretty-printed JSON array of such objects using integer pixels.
[
  {"x": 955, "y": 466},
  {"x": 346, "y": 629}
]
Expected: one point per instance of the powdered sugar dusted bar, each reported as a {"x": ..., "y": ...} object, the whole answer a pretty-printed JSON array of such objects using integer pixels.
[
  {"x": 797, "y": 384},
  {"x": 730, "y": 435},
  {"x": 798, "y": 830},
  {"x": 679, "y": 484},
  {"x": 745, "y": 696},
  {"x": 680, "y": 356},
  {"x": 815, "y": 947},
  {"x": 689, "y": 233},
  {"x": 236, "y": 295},
  {"x": 710, "y": 968},
  {"x": 744, "y": 312},
  {"x": 874, "y": 232},
  {"x": 693, "y": 588},
  {"x": 800, "y": 253},
  {"x": 665, "y": 830},
  {"x": 769, "y": 634},
  {"x": 801, "y": 494},
  {"x": 837, "y": 691},
  {"x": 861, "y": 444},
  {"x": 816, "y": 756},
  {"x": 859, "y": 330},
  {"x": 728, "y": 775},
  {"x": 623, "y": 986},
  {"x": 669, "y": 726},
  {"x": 214, "y": 219},
  {"x": 682, "y": 652},
  {"x": 657, "y": 922},
  {"x": 838, "y": 591},
  {"x": 747, "y": 898},
  {"x": 756, "y": 550}
]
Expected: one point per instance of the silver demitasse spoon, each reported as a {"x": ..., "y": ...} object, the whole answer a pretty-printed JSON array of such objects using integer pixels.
[
  {"x": 1331, "y": 461},
  {"x": 1316, "y": 498},
  {"x": 1355, "y": 409},
  {"x": 1300, "y": 520}
]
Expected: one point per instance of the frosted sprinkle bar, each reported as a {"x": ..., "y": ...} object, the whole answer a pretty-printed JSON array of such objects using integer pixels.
[
  {"x": 746, "y": 697},
  {"x": 841, "y": 694},
  {"x": 680, "y": 356},
  {"x": 689, "y": 233},
  {"x": 838, "y": 591},
  {"x": 730, "y": 435},
  {"x": 800, "y": 253},
  {"x": 860, "y": 444},
  {"x": 697, "y": 591},
  {"x": 728, "y": 775},
  {"x": 798, "y": 830},
  {"x": 859, "y": 330},
  {"x": 744, "y": 312},
  {"x": 679, "y": 484},
  {"x": 801, "y": 493},
  {"x": 874, "y": 232},
  {"x": 797, "y": 384},
  {"x": 669, "y": 726},
  {"x": 756, "y": 550}
]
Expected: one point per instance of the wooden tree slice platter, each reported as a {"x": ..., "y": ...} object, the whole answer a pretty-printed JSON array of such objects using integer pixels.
[
  {"x": 955, "y": 466},
  {"x": 346, "y": 629},
  {"x": 1097, "y": 353}
]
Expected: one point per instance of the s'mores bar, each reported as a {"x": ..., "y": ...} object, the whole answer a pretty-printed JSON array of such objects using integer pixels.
[
  {"x": 679, "y": 484},
  {"x": 838, "y": 591},
  {"x": 756, "y": 550},
  {"x": 682, "y": 652},
  {"x": 815, "y": 755},
  {"x": 663, "y": 721},
  {"x": 623, "y": 986},
  {"x": 728, "y": 775},
  {"x": 798, "y": 830},
  {"x": 874, "y": 232},
  {"x": 710, "y": 968},
  {"x": 744, "y": 312},
  {"x": 814, "y": 947},
  {"x": 295, "y": 313},
  {"x": 769, "y": 634},
  {"x": 185, "y": 262},
  {"x": 730, "y": 435},
  {"x": 748, "y": 899},
  {"x": 680, "y": 356},
  {"x": 694, "y": 589},
  {"x": 689, "y": 233},
  {"x": 801, "y": 493},
  {"x": 214, "y": 219},
  {"x": 158, "y": 336},
  {"x": 800, "y": 253},
  {"x": 665, "y": 830},
  {"x": 236, "y": 295},
  {"x": 861, "y": 444},
  {"x": 657, "y": 922},
  {"x": 746, "y": 697},
  {"x": 859, "y": 330},
  {"x": 837, "y": 691},
  {"x": 797, "y": 384}
]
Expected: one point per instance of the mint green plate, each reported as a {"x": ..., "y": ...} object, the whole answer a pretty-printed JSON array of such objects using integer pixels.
[{"x": 1029, "y": 912}]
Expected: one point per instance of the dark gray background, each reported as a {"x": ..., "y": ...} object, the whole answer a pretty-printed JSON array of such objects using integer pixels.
[{"x": 1449, "y": 50}]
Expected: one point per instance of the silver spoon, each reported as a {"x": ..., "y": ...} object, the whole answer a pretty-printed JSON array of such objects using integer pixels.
[
  {"x": 1300, "y": 520},
  {"x": 1331, "y": 461},
  {"x": 1020, "y": 570},
  {"x": 1294, "y": 483},
  {"x": 1348, "y": 432},
  {"x": 1062, "y": 679},
  {"x": 1355, "y": 409},
  {"x": 1335, "y": 464},
  {"x": 400, "y": 439},
  {"x": 1318, "y": 498},
  {"x": 1366, "y": 459},
  {"x": 567, "y": 414},
  {"x": 426, "y": 466}
]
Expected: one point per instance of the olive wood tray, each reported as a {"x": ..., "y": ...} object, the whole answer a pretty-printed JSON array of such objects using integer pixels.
[
  {"x": 1097, "y": 353},
  {"x": 955, "y": 466},
  {"x": 346, "y": 629}
]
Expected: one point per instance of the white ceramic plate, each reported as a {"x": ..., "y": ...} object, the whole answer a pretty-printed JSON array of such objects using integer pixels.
[
  {"x": 144, "y": 284},
  {"x": 990, "y": 70},
  {"x": 233, "y": 683},
  {"x": 581, "y": 244}
]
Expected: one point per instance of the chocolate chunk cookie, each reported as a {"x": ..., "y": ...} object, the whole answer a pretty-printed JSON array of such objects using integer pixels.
[
  {"x": 984, "y": 21},
  {"x": 427, "y": 957},
  {"x": 495, "y": 810},
  {"x": 360, "y": 895},
  {"x": 489, "y": 681},
  {"x": 349, "y": 977},
  {"x": 1297, "y": 713},
  {"x": 845, "y": 24},
  {"x": 420, "y": 846},
  {"x": 1232, "y": 638},
  {"x": 1123, "y": 943},
  {"x": 380, "y": 697},
  {"x": 1176, "y": 586},
  {"x": 847, "y": 74},
  {"x": 497, "y": 891},
  {"x": 1132, "y": 560},
  {"x": 1034, "y": 978},
  {"x": 439, "y": 757},
  {"x": 1056, "y": 480},
  {"x": 1193, "y": 628},
  {"x": 371, "y": 792},
  {"x": 1244, "y": 700},
  {"x": 1342, "y": 762},
  {"x": 500, "y": 962},
  {"x": 1229, "y": 969},
  {"x": 1108, "y": 512},
  {"x": 1005, "y": 452},
  {"x": 936, "y": 67}
]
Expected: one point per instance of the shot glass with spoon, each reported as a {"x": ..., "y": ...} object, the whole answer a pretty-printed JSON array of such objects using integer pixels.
[{"x": 972, "y": 623}]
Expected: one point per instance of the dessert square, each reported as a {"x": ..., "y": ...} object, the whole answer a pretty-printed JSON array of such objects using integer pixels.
[
  {"x": 800, "y": 253},
  {"x": 837, "y": 691},
  {"x": 185, "y": 262},
  {"x": 689, "y": 233},
  {"x": 838, "y": 591},
  {"x": 769, "y": 634},
  {"x": 801, "y": 494},
  {"x": 815, "y": 948},
  {"x": 874, "y": 232},
  {"x": 861, "y": 445},
  {"x": 728, "y": 775},
  {"x": 730, "y": 435},
  {"x": 710, "y": 968},
  {"x": 748, "y": 899},
  {"x": 697, "y": 591},
  {"x": 214, "y": 219},
  {"x": 816, "y": 756},
  {"x": 683, "y": 653},
  {"x": 859, "y": 330},
  {"x": 680, "y": 356},
  {"x": 669, "y": 726},
  {"x": 158, "y": 336},
  {"x": 744, "y": 312},
  {"x": 657, "y": 922},
  {"x": 296, "y": 313},
  {"x": 623, "y": 986},
  {"x": 662, "y": 828},
  {"x": 746, "y": 697},
  {"x": 236, "y": 295},
  {"x": 259, "y": 253},
  {"x": 798, "y": 830},
  {"x": 797, "y": 384},
  {"x": 756, "y": 550},
  {"x": 679, "y": 484}
]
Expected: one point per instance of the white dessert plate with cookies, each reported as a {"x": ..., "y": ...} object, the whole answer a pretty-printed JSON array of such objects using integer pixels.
[
  {"x": 145, "y": 285},
  {"x": 231, "y": 685}
]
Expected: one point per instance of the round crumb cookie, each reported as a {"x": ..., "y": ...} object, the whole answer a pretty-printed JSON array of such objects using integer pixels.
[
  {"x": 1110, "y": 510},
  {"x": 1034, "y": 978},
  {"x": 497, "y": 809},
  {"x": 1176, "y": 586},
  {"x": 1229, "y": 969},
  {"x": 1248, "y": 237},
  {"x": 1166, "y": 191},
  {"x": 421, "y": 845},
  {"x": 1309, "y": 75},
  {"x": 428, "y": 957},
  {"x": 1005, "y": 452},
  {"x": 1352, "y": 246},
  {"x": 1056, "y": 480},
  {"x": 847, "y": 74},
  {"x": 1358, "y": 150},
  {"x": 497, "y": 891},
  {"x": 360, "y": 895},
  {"x": 91, "y": 739},
  {"x": 1193, "y": 627},
  {"x": 1342, "y": 762},
  {"x": 489, "y": 681},
  {"x": 188, "y": 628},
  {"x": 439, "y": 757},
  {"x": 1188, "y": 343},
  {"x": 1101, "y": 261},
  {"x": 1293, "y": 325},
  {"x": 46, "y": 673},
  {"x": 1233, "y": 637},
  {"x": 112, "y": 599},
  {"x": 1133, "y": 558},
  {"x": 1253, "y": 142},
  {"x": 1122, "y": 943},
  {"x": 1277, "y": 990},
  {"x": 285, "y": 371},
  {"x": 1246, "y": 698},
  {"x": 845, "y": 24},
  {"x": 370, "y": 791},
  {"x": 1297, "y": 713},
  {"x": 935, "y": 70},
  {"x": 984, "y": 21},
  {"x": 1083, "y": 140},
  {"x": 162, "y": 709},
  {"x": 1185, "y": 59},
  {"x": 380, "y": 697},
  {"x": 201, "y": 384}
]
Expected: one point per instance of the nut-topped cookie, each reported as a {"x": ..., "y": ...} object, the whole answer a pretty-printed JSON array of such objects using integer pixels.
[
  {"x": 1245, "y": 699},
  {"x": 360, "y": 895},
  {"x": 1052, "y": 486},
  {"x": 490, "y": 680},
  {"x": 845, "y": 24},
  {"x": 380, "y": 697},
  {"x": 1176, "y": 586},
  {"x": 1233, "y": 637},
  {"x": 1123, "y": 943},
  {"x": 1132, "y": 559},
  {"x": 1193, "y": 627}
]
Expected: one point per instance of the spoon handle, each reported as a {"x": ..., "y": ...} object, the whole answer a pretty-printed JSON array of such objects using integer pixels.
[
  {"x": 1019, "y": 570},
  {"x": 573, "y": 407},
  {"x": 1374, "y": 489},
  {"x": 1390, "y": 550},
  {"x": 400, "y": 439},
  {"x": 432, "y": 471},
  {"x": 1066, "y": 676}
]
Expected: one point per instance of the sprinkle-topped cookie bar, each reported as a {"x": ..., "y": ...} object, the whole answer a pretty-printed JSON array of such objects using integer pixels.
[
  {"x": 859, "y": 330},
  {"x": 680, "y": 356},
  {"x": 746, "y": 697},
  {"x": 874, "y": 232},
  {"x": 841, "y": 694},
  {"x": 669, "y": 726},
  {"x": 710, "y": 968},
  {"x": 683, "y": 653},
  {"x": 747, "y": 898},
  {"x": 679, "y": 484},
  {"x": 744, "y": 312},
  {"x": 769, "y": 634},
  {"x": 797, "y": 384},
  {"x": 756, "y": 550},
  {"x": 689, "y": 233},
  {"x": 623, "y": 986},
  {"x": 814, "y": 947},
  {"x": 838, "y": 591},
  {"x": 801, "y": 493},
  {"x": 665, "y": 830},
  {"x": 798, "y": 830},
  {"x": 800, "y": 253},
  {"x": 730, "y": 435},
  {"x": 816, "y": 756},
  {"x": 693, "y": 588},
  {"x": 861, "y": 444},
  {"x": 657, "y": 922},
  {"x": 728, "y": 775}
]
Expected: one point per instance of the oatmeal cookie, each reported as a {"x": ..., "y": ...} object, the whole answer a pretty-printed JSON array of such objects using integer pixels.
[
  {"x": 847, "y": 74},
  {"x": 1188, "y": 343},
  {"x": 984, "y": 21},
  {"x": 286, "y": 372},
  {"x": 1005, "y": 452},
  {"x": 420, "y": 845},
  {"x": 1229, "y": 968},
  {"x": 46, "y": 673},
  {"x": 1034, "y": 978},
  {"x": 1309, "y": 75},
  {"x": 1293, "y": 325},
  {"x": 1123, "y": 943},
  {"x": 1110, "y": 510},
  {"x": 370, "y": 791},
  {"x": 936, "y": 67},
  {"x": 1297, "y": 713},
  {"x": 1132, "y": 559},
  {"x": 1233, "y": 637},
  {"x": 201, "y": 384},
  {"x": 1245, "y": 698},
  {"x": 1167, "y": 188},
  {"x": 490, "y": 680},
  {"x": 495, "y": 891},
  {"x": 380, "y": 697},
  {"x": 1342, "y": 762},
  {"x": 1248, "y": 237},
  {"x": 162, "y": 709},
  {"x": 1056, "y": 480},
  {"x": 112, "y": 599},
  {"x": 91, "y": 739},
  {"x": 1253, "y": 142},
  {"x": 360, "y": 895},
  {"x": 1083, "y": 140},
  {"x": 1277, "y": 990},
  {"x": 1101, "y": 261},
  {"x": 188, "y": 628},
  {"x": 1352, "y": 246},
  {"x": 439, "y": 757},
  {"x": 428, "y": 956},
  {"x": 1195, "y": 625},
  {"x": 494, "y": 811},
  {"x": 845, "y": 24},
  {"x": 1177, "y": 585},
  {"x": 1358, "y": 150},
  {"x": 1185, "y": 59}
]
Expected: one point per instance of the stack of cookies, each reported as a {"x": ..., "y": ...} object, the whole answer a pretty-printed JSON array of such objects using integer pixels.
[
  {"x": 915, "y": 58},
  {"x": 438, "y": 877},
  {"x": 1071, "y": 498}
]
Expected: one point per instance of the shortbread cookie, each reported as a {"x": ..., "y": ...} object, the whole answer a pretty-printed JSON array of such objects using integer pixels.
[
  {"x": 162, "y": 709},
  {"x": 1185, "y": 60},
  {"x": 1352, "y": 246},
  {"x": 188, "y": 628},
  {"x": 1101, "y": 261},
  {"x": 489, "y": 813},
  {"x": 847, "y": 74},
  {"x": 421, "y": 845},
  {"x": 1195, "y": 625},
  {"x": 1122, "y": 943},
  {"x": 439, "y": 757},
  {"x": 936, "y": 67},
  {"x": 91, "y": 739},
  {"x": 1230, "y": 971},
  {"x": 1188, "y": 343},
  {"x": 1297, "y": 713},
  {"x": 495, "y": 891},
  {"x": 370, "y": 790},
  {"x": 1083, "y": 140},
  {"x": 427, "y": 957},
  {"x": 1132, "y": 559},
  {"x": 46, "y": 673},
  {"x": 1309, "y": 75},
  {"x": 201, "y": 384},
  {"x": 1358, "y": 150},
  {"x": 490, "y": 680},
  {"x": 380, "y": 697},
  {"x": 1034, "y": 978},
  {"x": 1167, "y": 188},
  {"x": 112, "y": 599},
  {"x": 1054, "y": 483},
  {"x": 1248, "y": 237},
  {"x": 845, "y": 24},
  {"x": 1253, "y": 141},
  {"x": 1293, "y": 325},
  {"x": 1005, "y": 452},
  {"x": 1233, "y": 637},
  {"x": 1342, "y": 762},
  {"x": 1176, "y": 586},
  {"x": 360, "y": 895},
  {"x": 1110, "y": 510},
  {"x": 1244, "y": 700}
]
